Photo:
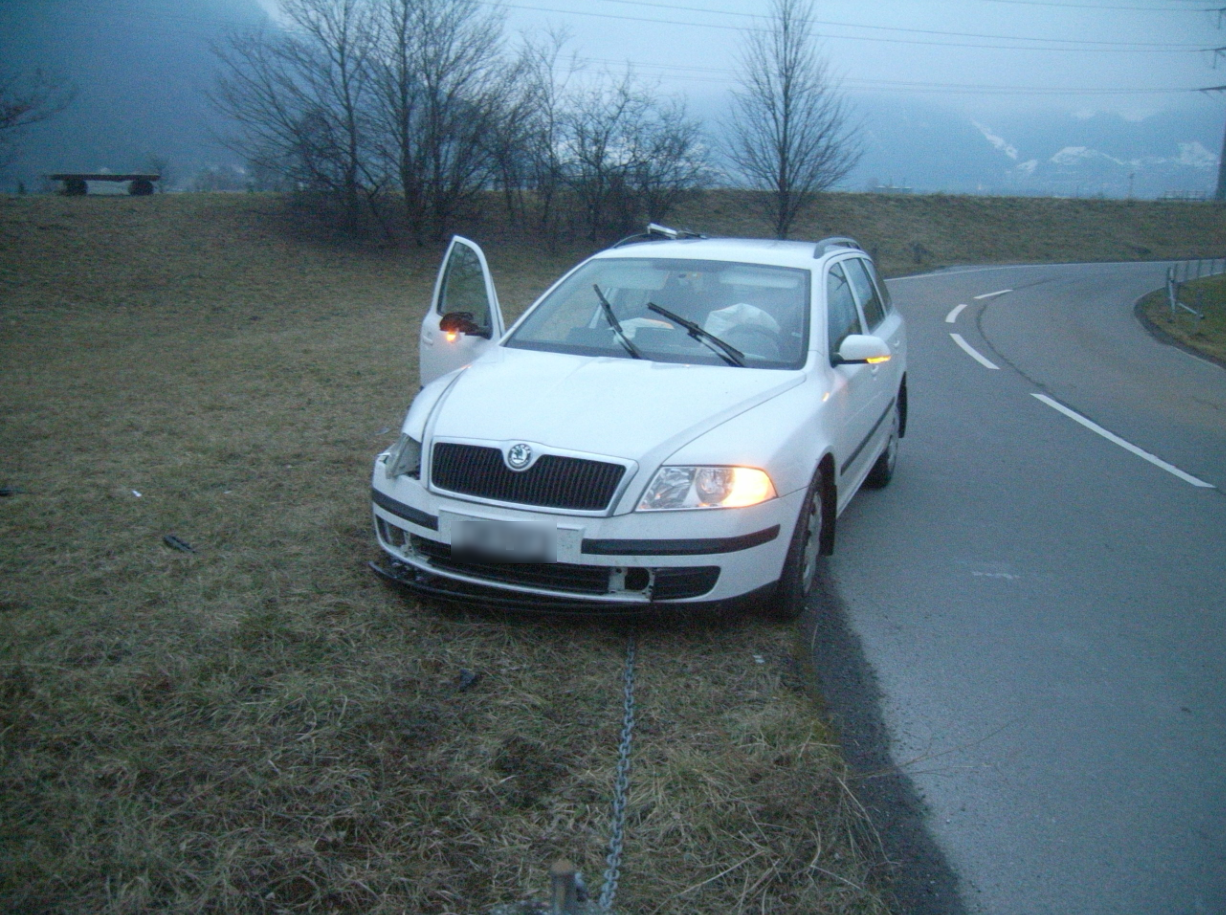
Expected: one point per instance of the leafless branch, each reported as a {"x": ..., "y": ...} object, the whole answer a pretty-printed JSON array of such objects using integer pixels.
[
  {"x": 792, "y": 136},
  {"x": 26, "y": 100}
]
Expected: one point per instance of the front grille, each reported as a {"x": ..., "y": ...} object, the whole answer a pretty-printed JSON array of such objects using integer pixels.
[
  {"x": 552, "y": 482},
  {"x": 670, "y": 583}
]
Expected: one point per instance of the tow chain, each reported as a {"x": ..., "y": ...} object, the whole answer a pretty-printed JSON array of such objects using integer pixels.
[{"x": 617, "y": 830}]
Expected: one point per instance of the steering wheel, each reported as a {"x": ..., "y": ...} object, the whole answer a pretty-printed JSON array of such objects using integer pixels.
[{"x": 754, "y": 340}]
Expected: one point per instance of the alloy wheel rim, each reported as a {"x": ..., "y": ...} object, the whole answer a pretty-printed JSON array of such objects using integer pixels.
[{"x": 813, "y": 531}]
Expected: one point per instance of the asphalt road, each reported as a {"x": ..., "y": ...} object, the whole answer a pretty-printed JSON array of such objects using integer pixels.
[{"x": 1042, "y": 608}]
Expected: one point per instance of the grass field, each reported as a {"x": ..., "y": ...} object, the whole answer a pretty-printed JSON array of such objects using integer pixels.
[
  {"x": 259, "y": 725},
  {"x": 1205, "y": 333}
]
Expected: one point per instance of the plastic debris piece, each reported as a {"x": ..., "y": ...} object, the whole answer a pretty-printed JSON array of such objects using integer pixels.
[
  {"x": 758, "y": 659},
  {"x": 176, "y": 544},
  {"x": 135, "y": 493},
  {"x": 466, "y": 679}
]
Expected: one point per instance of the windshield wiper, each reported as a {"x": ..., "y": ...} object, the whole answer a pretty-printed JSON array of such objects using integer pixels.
[
  {"x": 615, "y": 324},
  {"x": 725, "y": 351}
]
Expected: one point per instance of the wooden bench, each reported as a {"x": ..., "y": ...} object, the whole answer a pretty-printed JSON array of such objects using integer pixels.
[{"x": 76, "y": 183}]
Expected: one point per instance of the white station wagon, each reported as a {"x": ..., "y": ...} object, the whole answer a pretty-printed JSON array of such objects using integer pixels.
[{"x": 677, "y": 422}]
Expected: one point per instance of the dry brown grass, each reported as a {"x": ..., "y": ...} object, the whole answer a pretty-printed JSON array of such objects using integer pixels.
[
  {"x": 909, "y": 234},
  {"x": 260, "y": 726}
]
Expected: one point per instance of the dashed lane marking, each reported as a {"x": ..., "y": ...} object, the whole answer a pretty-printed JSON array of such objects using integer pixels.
[
  {"x": 992, "y": 295},
  {"x": 953, "y": 313},
  {"x": 970, "y": 351},
  {"x": 1127, "y": 446}
]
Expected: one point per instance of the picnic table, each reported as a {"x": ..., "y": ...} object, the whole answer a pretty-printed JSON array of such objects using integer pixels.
[{"x": 76, "y": 183}]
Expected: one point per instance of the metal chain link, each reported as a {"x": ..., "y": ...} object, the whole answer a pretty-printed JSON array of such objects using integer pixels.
[{"x": 617, "y": 831}]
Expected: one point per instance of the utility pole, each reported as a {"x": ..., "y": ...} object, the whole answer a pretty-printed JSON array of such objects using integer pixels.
[{"x": 1220, "y": 192}]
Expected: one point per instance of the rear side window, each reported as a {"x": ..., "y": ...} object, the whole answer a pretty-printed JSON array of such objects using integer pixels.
[
  {"x": 841, "y": 315},
  {"x": 866, "y": 292}
]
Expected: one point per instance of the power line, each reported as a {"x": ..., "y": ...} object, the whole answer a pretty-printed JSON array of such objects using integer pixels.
[
  {"x": 1081, "y": 49},
  {"x": 724, "y": 76},
  {"x": 888, "y": 28},
  {"x": 1094, "y": 6}
]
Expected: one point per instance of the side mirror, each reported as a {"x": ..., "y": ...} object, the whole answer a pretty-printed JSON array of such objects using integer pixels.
[
  {"x": 461, "y": 322},
  {"x": 857, "y": 349}
]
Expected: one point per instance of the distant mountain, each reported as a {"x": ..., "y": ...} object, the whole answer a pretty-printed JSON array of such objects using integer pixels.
[
  {"x": 929, "y": 147},
  {"x": 143, "y": 67}
]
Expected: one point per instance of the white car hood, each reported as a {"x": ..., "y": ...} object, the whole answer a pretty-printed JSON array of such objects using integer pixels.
[{"x": 629, "y": 408}]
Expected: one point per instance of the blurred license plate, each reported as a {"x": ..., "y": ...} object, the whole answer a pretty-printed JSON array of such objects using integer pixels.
[{"x": 503, "y": 541}]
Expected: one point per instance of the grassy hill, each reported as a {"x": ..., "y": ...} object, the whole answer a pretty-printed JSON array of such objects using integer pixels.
[
  {"x": 258, "y": 725},
  {"x": 913, "y": 233}
]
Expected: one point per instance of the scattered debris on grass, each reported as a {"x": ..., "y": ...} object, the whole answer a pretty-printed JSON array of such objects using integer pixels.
[{"x": 176, "y": 544}]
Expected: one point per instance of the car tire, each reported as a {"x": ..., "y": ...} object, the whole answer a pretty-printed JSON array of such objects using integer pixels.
[
  {"x": 800, "y": 567},
  {"x": 883, "y": 471}
]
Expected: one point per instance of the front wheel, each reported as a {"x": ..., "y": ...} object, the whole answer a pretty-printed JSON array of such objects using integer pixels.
[
  {"x": 800, "y": 568},
  {"x": 883, "y": 471}
]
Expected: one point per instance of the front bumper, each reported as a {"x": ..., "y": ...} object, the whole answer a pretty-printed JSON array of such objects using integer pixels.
[
  {"x": 447, "y": 590},
  {"x": 638, "y": 561}
]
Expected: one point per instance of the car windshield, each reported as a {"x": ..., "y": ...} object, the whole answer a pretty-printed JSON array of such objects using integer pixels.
[{"x": 759, "y": 311}]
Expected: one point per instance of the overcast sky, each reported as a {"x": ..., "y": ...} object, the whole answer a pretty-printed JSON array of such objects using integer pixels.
[
  {"x": 991, "y": 59},
  {"x": 1128, "y": 56},
  {"x": 1114, "y": 55}
]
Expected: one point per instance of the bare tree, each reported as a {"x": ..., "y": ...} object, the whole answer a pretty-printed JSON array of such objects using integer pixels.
[
  {"x": 24, "y": 101},
  {"x": 438, "y": 98},
  {"x": 599, "y": 126},
  {"x": 547, "y": 80},
  {"x": 523, "y": 140},
  {"x": 300, "y": 98},
  {"x": 791, "y": 135},
  {"x": 672, "y": 162},
  {"x": 627, "y": 154}
]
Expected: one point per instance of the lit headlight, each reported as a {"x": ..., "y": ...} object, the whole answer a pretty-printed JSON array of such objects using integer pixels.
[
  {"x": 706, "y": 487},
  {"x": 404, "y": 457}
]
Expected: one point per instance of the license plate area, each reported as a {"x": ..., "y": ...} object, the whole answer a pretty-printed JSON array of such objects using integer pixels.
[{"x": 492, "y": 540}]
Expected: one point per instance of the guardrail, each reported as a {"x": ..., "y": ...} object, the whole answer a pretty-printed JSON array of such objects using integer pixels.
[{"x": 1183, "y": 272}]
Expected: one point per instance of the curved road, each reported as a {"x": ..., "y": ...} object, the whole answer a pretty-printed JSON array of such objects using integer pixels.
[{"x": 1041, "y": 595}]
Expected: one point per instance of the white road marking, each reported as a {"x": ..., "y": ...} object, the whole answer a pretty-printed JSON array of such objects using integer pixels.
[
  {"x": 953, "y": 314},
  {"x": 970, "y": 351},
  {"x": 1127, "y": 446},
  {"x": 992, "y": 295}
]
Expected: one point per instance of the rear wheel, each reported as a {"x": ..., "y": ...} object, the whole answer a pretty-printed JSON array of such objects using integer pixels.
[
  {"x": 883, "y": 470},
  {"x": 800, "y": 568}
]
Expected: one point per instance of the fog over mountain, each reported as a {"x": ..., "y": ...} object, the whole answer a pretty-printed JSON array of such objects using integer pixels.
[
  {"x": 143, "y": 67},
  {"x": 932, "y": 147}
]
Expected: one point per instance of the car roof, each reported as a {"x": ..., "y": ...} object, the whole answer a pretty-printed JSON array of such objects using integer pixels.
[{"x": 770, "y": 252}]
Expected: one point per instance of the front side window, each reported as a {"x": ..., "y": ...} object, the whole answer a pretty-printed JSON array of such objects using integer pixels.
[
  {"x": 866, "y": 292},
  {"x": 842, "y": 319},
  {"x": 464, "y": 287},
  {"x": 882, "y": 289},
  {"x": 761, "y": 311}
]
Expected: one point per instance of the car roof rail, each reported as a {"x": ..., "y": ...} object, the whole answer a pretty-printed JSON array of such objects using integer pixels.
[
  {"x": 657, "y": 232},
  {"x": 835, "y": 241}
]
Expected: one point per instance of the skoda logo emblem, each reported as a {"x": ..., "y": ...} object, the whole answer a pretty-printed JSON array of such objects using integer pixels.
[{"x": 518, "y": 456}]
